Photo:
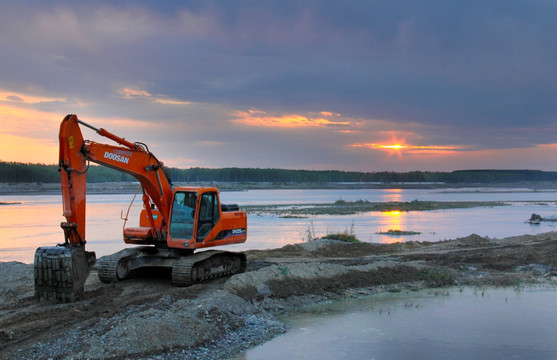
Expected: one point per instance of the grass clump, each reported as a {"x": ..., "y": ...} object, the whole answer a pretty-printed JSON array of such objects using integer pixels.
[
  {"x": 436, "y": 277},
  {"x": 344, "y": 236}
]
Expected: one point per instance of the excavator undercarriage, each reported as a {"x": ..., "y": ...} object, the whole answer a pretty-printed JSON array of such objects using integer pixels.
[
  {"x": 186, "y": 268},
  {"x": 61, "y": 271}
]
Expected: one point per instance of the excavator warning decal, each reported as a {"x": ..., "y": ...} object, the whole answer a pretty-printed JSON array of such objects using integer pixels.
[{"x": 70, "y": 140}]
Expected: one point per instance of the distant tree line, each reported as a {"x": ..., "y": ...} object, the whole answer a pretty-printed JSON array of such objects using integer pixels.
[
  {"x": 20, "y": 172},
  {"x": 290, "y": 176},
  {"x": 321, "y": 176},
  {"x": 496, "y": 176}
]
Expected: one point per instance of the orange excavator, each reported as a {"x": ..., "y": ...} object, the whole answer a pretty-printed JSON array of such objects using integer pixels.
[{"x": 173, "y": 222}]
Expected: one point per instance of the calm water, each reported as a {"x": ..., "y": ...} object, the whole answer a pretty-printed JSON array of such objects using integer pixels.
[
  {"x": 460, "y": 324},
  {"x": 35, "y": 222}
]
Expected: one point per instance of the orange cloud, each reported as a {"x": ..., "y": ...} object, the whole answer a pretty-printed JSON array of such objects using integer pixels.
[
  {"x": 551, "y": 146},
  {"x": 132, "y": 93},
  {"x": 21, "y": 98},
  {"x": 26, "y": 122},
  {"x": 408, "y": 148},
  {"x": 129, "y": 93},
  {"x": 260, "y": 118},
  {"x": 401, "y": 148},
  {"x": 172, "y": 102}
]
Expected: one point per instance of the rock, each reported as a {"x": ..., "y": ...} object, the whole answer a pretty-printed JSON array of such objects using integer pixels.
[{"x": 264, "y": 290}]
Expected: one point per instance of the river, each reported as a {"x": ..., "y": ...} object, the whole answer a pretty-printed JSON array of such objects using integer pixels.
[
  {"x": 432, "y": 324},
  {"x": 34, "y": 220}
]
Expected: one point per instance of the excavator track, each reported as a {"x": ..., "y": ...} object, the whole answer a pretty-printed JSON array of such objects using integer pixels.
[
  {"x": 117, "y": 266},
  {"x": 206, "y": 266},
  {"x": 61, "y": 271},
  {"x": 106, "y": 270},
  {"x": 186, "y": 268}
]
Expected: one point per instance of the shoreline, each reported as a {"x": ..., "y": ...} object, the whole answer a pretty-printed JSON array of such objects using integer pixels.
[
  {"x": 146, "y": 317},
  {"x": 33, "y": 188}
]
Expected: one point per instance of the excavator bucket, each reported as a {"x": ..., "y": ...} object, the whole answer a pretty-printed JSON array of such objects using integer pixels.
[{"x": 61, "y": 272}]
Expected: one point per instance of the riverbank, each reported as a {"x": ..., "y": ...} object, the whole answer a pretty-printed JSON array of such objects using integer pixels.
[
  {"x": 342, "y": 207},
  {"x": 146, "y": 317},
  {"x": 39, "y": 188}
]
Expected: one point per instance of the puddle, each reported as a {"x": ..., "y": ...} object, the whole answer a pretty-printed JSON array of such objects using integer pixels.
[{"x": 443, "y": 324}]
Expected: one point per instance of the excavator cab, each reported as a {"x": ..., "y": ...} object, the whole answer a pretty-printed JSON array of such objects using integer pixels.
[{"x": 198, "y": 219}]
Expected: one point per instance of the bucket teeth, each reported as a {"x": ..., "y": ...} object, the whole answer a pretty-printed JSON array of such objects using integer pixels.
[{"x": 61, "y": 272}]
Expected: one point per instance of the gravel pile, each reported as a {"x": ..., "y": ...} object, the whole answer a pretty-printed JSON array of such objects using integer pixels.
[{"x": 212, "y": 326}]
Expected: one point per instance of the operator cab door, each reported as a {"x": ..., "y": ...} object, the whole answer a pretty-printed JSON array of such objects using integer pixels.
[
  {"x": 183, "y": 215},
  {"x": 208, "y": 214}
]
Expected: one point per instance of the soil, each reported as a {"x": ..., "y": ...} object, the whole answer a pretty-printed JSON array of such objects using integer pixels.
[{"x": 147, "y": 317}]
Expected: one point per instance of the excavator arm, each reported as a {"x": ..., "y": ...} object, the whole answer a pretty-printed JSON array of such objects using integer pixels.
[
  {"x": 131, "y": 158},
  {"x": 61, "y": 271}
]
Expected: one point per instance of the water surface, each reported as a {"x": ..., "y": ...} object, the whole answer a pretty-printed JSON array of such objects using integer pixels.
[
  {"x": 36, "y": 220},
  {"x": 457, "y": 324}
]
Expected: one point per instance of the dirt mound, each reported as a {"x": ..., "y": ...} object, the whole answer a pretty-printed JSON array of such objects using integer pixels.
[
  {"x": 290, "y": 279},
  {"x": 327, "y": 248},
  {"x": 17, "y": 282},
  {"x": 472, "y": 240}
]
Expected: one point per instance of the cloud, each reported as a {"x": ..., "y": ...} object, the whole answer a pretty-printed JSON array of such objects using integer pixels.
[
  {"x": 407, "y": 147},
  {"x": 260, "y": 118},
  {"x": 315, "y": 77},
  {"x": 18, "y": 97},
  {"x": 405, "y": 63},
  {"x": 25, "y": 122},
  {"x": 14, "y": 98},
  {"x": 130, "y": 93}
]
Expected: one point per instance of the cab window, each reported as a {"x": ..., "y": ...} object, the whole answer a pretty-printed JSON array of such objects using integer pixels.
[
  {"x": 183, "y": 214},
  {"x": 208, "y": 214}
]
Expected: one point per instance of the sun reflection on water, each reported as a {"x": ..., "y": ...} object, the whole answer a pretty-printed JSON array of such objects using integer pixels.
[
  {"x": 392, "y": 195},
  {"x": 391, "y": 220}
]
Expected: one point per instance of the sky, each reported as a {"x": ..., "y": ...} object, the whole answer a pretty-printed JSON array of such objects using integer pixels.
[{"x": 324, "y": 85}]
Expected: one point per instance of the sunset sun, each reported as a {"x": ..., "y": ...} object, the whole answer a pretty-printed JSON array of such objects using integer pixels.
[
  {"x": 395, "y": 148},
  {"x": 398, "y": 147}
]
